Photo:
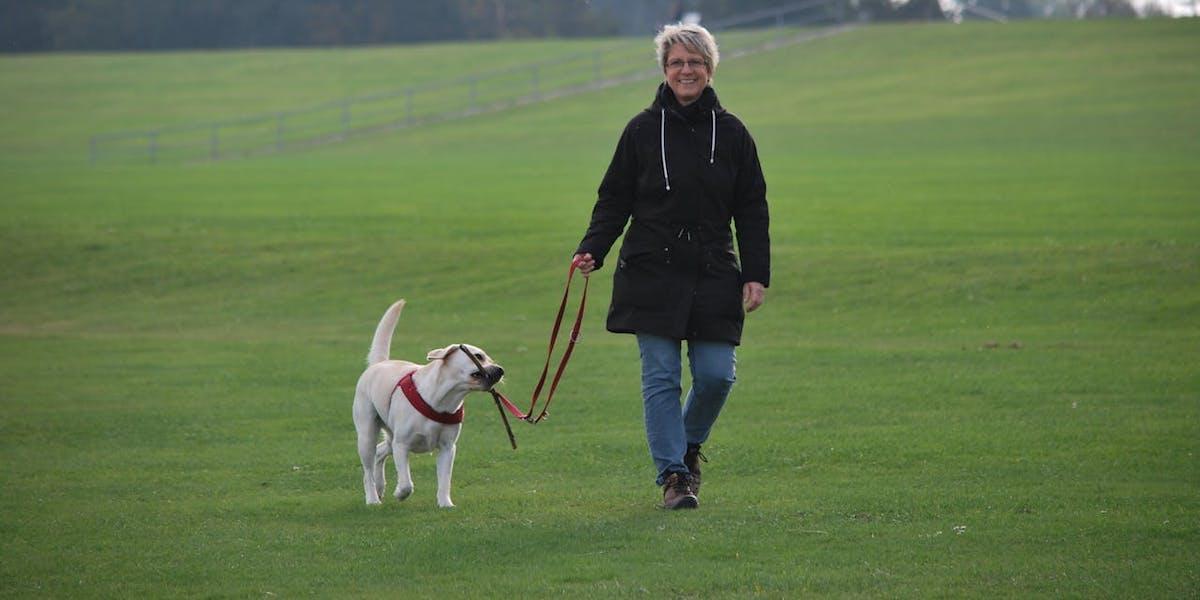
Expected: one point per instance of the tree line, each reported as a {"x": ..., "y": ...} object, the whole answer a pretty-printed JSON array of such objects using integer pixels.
[
  {"x": 90, "y": 25},
  {"x": 56, "y": 25},
  {"x": 32, "y": 25}
]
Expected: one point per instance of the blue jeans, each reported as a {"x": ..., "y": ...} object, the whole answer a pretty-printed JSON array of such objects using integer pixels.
[{"x": 670, "y": 429}]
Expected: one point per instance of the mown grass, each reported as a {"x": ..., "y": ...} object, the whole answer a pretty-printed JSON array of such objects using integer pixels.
[{"x": 975, "y": 374}]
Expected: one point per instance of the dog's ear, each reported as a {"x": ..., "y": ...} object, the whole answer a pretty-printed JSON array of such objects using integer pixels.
[{"x": 441, "y": 353}]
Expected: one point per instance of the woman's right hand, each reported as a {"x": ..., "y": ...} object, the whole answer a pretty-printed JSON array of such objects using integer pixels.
[{"x": 585, "y": 263}]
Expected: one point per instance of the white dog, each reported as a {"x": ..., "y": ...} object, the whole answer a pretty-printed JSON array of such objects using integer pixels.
[{"x": 418, "y": 407}]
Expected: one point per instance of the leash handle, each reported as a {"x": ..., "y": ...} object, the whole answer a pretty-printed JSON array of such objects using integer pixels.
[
  {"x": 562, "y": 365},
  {"x": 503, "y": 403}
]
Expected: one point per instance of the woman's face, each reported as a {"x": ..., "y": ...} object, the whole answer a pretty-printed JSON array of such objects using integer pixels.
[{"x": 687, "y": 74}]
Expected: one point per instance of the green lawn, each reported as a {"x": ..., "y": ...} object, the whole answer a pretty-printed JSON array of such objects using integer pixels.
[{"x": 975, "y": 374}]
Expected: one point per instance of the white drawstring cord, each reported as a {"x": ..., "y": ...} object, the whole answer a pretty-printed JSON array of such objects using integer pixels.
[
  {"x": 712, "y": 151},
  {"x": 662, "y": 144}
]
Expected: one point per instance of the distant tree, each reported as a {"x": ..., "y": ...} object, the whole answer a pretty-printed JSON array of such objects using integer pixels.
[
  {"x": 713, "y": 10},
  {"x": 889, "y": 10},
  {"x": 1013, "y": 9},
  {"x": 1080, "y": 9},
  {"x": 414, "y": 21},
  {"x": 23, "y": 26},
  {"x": 1152, "y": 10},
  {"x": 30, "y": 25},
  {"x": 1111, "y": 8},
  {"x": 919, "y": 10},
  {"x": 480, "y": 18}
]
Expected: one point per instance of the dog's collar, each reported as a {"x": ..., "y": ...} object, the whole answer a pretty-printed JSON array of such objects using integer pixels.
[{"x": 409, "y": 388}]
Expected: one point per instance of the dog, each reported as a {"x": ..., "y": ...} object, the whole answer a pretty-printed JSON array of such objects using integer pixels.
[{"x": 383, "y": 403}]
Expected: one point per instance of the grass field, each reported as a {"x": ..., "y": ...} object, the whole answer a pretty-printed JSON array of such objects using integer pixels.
[{"x": 975, "y": 375}]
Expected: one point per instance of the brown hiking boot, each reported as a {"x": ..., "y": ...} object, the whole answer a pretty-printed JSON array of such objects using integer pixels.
[
  {"x": 692, "y": 460},
  {"x": 677, "y": 492}
]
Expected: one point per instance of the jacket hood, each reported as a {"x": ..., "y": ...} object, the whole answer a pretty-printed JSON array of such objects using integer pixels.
[{"x": 705, "y": 105}]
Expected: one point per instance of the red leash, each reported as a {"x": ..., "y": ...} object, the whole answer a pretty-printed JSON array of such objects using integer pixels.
[{"x": 562, "y": 364}]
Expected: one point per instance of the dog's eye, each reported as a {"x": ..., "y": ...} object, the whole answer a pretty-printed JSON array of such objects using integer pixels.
[{"x": 478, "y": 356}]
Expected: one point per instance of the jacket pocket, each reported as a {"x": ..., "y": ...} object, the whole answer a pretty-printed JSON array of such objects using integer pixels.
[
  {"x": 721, "y": 288},
  {"x": 723, "y": 261},
  {"x": 640, "y": 278}
]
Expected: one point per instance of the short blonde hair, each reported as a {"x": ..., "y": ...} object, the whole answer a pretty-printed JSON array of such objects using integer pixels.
[{"x": 693, "y": 37}]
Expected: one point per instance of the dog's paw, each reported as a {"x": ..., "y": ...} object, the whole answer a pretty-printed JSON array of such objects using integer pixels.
[
  {"x": 374, "y": 502},
  {"x": 402, "y": 493},
  {"x": 445, "y": 503}
]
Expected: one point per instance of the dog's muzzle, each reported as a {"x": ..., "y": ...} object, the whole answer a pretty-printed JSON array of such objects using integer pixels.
[{"x": 490, "y": 376}]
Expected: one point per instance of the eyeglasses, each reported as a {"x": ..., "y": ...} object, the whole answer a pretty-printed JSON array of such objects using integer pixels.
[{"x": 677, "y": 64}]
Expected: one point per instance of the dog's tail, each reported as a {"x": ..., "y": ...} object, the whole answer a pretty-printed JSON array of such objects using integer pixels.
[{"x": 382, "y": 343}]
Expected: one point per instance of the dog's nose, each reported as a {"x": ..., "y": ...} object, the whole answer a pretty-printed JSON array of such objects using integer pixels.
[{"x": 493, "y": 374}]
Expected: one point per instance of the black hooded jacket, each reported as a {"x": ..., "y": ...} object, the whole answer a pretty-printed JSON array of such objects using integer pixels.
[{"x": 682, "y": 173}]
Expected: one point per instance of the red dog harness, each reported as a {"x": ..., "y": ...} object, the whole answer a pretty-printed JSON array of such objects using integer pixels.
[{"x": 409, "y": 388}]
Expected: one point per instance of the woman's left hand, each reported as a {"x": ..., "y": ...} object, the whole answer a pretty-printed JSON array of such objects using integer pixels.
[{"x": 753, "y": 294}]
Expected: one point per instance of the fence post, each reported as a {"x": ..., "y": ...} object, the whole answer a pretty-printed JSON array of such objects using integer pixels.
[
  {"x": 152, "y": 137},
  {"x": 214, "y": 142},
  {"x": 279, "y": 130}
]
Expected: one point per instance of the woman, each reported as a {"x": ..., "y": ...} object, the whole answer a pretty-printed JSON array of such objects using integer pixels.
[{"x": 683, "y": 170}]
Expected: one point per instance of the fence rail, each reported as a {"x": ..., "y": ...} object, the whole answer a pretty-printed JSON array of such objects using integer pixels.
[{"x": 411, "y": 106}]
